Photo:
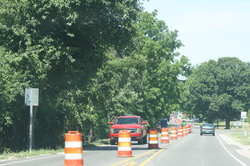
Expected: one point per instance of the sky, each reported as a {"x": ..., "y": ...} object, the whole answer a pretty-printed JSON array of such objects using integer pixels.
[{"x": 209, "y": 29}]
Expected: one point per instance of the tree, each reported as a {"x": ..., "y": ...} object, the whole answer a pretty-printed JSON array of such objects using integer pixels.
[
  {"x": 220, "y": 89},
  {"x": 91, "y": 60},
  {"x": 158, "y": 44},
  {"x": 142, "y": 80},
  {"x": 56, "y": 46}
]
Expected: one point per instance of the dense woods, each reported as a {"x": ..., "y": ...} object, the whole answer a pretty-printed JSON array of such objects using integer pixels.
[
  {"x": 95, "y": 60},
  {"x": 91, "y": 60}
]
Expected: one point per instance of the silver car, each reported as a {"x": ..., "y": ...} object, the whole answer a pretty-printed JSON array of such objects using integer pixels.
[{"x": 207, "y": 128}]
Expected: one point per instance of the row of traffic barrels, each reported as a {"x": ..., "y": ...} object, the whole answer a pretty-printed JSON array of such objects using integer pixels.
[
  {"x": 124, "y": 138},
  {"x": 173, "y": 134},
  {"x": 176, "y": 132},
  {"x": 73, "y": 143}
]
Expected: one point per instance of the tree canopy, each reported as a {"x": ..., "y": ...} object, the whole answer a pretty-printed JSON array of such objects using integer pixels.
[
  {"x": 220, "y": 89},
  {"x": 91, "y": 60}
]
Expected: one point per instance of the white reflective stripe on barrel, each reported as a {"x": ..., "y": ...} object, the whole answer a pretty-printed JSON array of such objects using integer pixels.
[
  {"x": 73, "y": 144},
  {"x": 124, "y": 148},
  {"x": 153, "y": 135},
  {"x": 153, "y": 142},
  {"x": 73, "y": 156},
  {"x": 164, "y": 132},
  {"x": 122, "y": 139}
]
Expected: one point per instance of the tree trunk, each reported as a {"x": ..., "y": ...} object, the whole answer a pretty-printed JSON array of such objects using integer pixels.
[
  {"x": 227, "y": 123},
  {"x": 90, "y": 136}
]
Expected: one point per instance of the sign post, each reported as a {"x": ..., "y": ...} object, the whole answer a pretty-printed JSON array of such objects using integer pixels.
[
  {"x": 243, "y": 117},
  {"x": 31, "y": 99}
]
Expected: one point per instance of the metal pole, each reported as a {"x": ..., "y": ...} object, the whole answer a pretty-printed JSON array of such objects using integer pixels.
[
  {"x": 31, "y": 122},
  {"x": 243, "y": 125}
]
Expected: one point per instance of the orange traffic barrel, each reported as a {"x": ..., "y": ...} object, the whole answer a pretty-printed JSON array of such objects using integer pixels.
[
  {"x": 184, "y": 130},
  {"x": 124, "y": 144},
  {"x": 180, "y": 131},
  {"x": 153, "y": 139},
  {"x": 73, "y": 149},
  {"x": 190, "y": 128},
  {"x": 173, "y": 133},
  {"x": 164, "y": 135}
]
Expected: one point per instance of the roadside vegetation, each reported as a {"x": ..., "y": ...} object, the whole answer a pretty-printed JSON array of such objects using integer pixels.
[
  {"x": 23, "y": 154},
  {"x": 241, "y": 138},
  {"x": 89, "y": 67},
  {"x": 243, "y": 134},
  {"x": 36, "y": 152}
]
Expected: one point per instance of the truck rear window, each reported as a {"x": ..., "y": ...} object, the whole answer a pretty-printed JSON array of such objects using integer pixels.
[{"x": 127, "y": 121}]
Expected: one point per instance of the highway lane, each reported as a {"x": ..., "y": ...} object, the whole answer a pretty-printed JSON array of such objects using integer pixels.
[
  {"x": 196, "y": 150},
  {"x": 193, "y": 149}
]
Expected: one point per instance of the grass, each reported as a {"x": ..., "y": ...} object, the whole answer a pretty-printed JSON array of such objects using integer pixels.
[
  {"x": 23, "y": 154},
  {"x": 241, "y": 138},
  {"x": 243, "y": 135}
]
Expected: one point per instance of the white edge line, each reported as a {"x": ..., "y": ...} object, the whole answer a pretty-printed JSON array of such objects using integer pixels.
[{"x": 230, "y": 153}]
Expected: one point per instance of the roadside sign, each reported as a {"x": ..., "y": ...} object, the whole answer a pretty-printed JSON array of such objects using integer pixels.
[
  {"x": 31, "y": 96},
  {"x": 243, "y": 115},
  {"x": 31, "y": 99}
]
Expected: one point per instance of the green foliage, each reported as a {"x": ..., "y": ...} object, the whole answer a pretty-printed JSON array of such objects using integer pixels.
[
  {"x": 91, "y": 60},
  {"x": 158, "y": 45},
  {"x": 219, "y": 89},
  {"x": 56, "y": 46}
]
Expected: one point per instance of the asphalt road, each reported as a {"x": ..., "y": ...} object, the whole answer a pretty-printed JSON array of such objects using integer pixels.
[{"x": 190, "y": 150}]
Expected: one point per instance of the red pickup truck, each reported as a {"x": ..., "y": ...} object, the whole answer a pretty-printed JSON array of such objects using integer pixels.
[{"x": 135, "y": 124}]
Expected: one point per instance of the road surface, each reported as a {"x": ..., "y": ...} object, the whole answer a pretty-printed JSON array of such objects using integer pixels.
[{"x": 190, "y": 150}]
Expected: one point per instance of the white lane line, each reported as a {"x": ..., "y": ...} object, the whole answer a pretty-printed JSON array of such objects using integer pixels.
[
  {"x": 230, "y": 153},
  {"x": 30, "y": 159}
]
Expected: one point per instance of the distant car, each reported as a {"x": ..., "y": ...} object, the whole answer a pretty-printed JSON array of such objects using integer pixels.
[
  {"x": 195, "y": 119},
  {"x": 207, "y": 128}
]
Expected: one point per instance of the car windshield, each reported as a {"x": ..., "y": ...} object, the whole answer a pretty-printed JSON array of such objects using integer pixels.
[
  {"x": 126, "y": 121},
  {"x": 207, "y": 125}
]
